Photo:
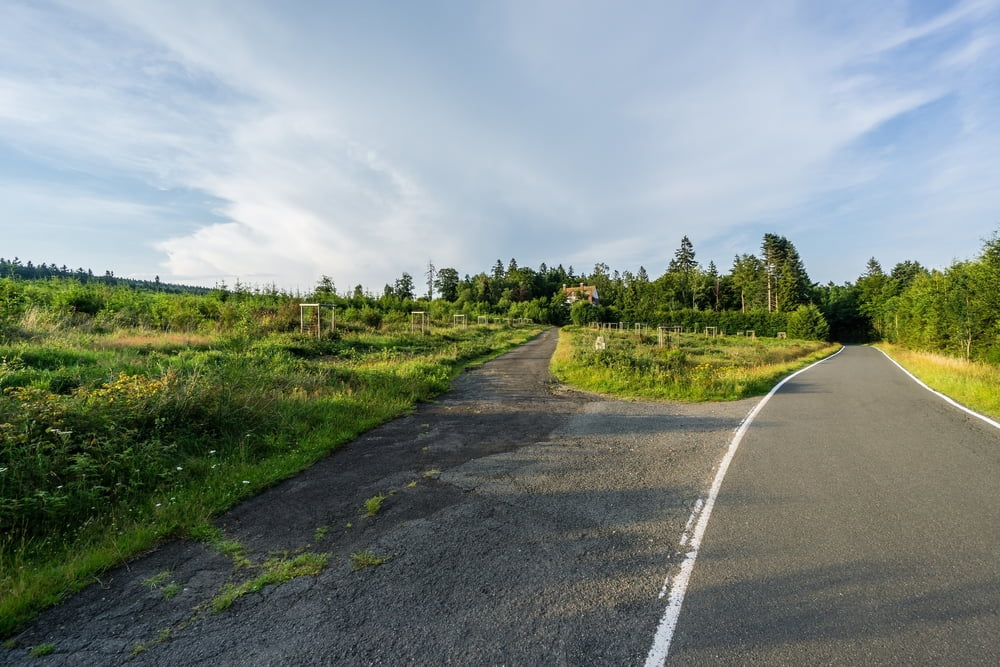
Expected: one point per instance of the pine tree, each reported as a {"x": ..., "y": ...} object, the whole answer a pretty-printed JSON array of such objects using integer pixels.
[{"x": 683, "y": 272}]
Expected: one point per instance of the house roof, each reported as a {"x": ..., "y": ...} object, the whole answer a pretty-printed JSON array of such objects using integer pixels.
[{"x": 587, "y": 291}]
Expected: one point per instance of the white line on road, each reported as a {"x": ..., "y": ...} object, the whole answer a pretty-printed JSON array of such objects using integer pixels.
[
  {"x": 665, "y": 630},
  {"x": 958, "y": 405}
]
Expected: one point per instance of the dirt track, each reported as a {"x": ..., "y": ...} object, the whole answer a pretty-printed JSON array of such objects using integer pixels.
[{"x": 540, "y": 529}]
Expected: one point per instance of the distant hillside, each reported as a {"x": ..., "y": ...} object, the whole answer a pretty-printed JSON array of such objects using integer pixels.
[{"x": 27, "y": 271}]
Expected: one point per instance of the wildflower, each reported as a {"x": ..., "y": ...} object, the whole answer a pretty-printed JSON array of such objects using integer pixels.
[
  {"x": 3, "y": 470},
  {"x": 158, "y": 504},
  {"x": 180, "y": 468},
  {"x": 211, "y": 451},
  {"x": 246, "y": 481}
]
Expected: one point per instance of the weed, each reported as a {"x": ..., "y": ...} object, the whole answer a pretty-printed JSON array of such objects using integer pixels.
[
  {"x": 275, "y": 572},
  {"x": 233, "y": 549},
  {"x": 362, "y": 559},
  {"x": 42, "y": 650},
  {"x": 320, "y": 533},
  {"x": 157, "y": 579},
  {"x": 412, "y": 485},
  {"x": 432, "y": 474},
  {"x": 374, "y": 504},
  {"x": 170, "y": 590}
]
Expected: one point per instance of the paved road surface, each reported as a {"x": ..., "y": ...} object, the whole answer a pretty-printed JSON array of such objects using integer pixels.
[
  {"x": 543, "y": 540},
  {"x": 858, "y": 524}
]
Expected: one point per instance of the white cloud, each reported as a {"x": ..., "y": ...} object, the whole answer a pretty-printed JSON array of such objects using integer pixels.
[{"x": 359, "y": 141}]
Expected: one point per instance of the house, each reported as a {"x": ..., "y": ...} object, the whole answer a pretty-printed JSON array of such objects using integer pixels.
[{"x": 588, "y": 292}]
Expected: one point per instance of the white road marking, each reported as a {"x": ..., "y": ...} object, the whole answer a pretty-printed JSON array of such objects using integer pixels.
[
  {"x": 657, "y": 656},
  {"x": 958, "y": 405},
  {"x": 699, "y": 504}
]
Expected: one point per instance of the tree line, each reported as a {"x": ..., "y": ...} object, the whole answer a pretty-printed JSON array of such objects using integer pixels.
[
  {"x": 15, "y": 268},
  {"x": 953, "y": 310}
]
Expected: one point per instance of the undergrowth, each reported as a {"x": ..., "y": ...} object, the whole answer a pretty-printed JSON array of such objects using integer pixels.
[
  {"x": 689, "y": 367},
  {"x": 110, "y": 443}
]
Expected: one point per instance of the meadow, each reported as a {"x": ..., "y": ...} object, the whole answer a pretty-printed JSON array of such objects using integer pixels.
[
  {"x": 112, "y": 439},
  {"x": 129, "y": 417},
  {"x": 685, "y": 367}
]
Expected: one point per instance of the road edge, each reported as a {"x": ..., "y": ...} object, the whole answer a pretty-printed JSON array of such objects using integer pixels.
[
  {"x": 658, "y": 652},
  {"x": 992, "y": 422}
]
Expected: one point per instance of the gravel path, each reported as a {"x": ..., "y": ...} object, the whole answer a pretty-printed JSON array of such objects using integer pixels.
[{"x": 523, "y": 524}]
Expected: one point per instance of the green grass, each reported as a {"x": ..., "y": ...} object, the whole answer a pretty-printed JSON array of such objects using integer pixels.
[
  {"x": 374, "y": 504},
  {"x": 694, "y": 368},
  {"x": 42, "y": 650},
  {"x": 110, "y": 443},
  {"x": 276, "y": 571},
  {"x": 973, "y": 384},
  {"x": 362, "y": 559}
]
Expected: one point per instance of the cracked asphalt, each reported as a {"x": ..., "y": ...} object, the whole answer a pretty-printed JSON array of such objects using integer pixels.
[{"x": 524, "y": 523}]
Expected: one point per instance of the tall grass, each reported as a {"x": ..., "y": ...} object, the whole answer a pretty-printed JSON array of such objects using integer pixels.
[
  {"x": 109, "y": 443},
  {"x": 693, "y": 368},
  {"x": 971, "y": 383}
]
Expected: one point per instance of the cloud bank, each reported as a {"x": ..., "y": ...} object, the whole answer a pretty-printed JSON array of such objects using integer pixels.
[{"x": 275, "y": 143}]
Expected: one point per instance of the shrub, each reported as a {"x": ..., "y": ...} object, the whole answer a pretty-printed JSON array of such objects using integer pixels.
[{"x": 807, "y": 323}]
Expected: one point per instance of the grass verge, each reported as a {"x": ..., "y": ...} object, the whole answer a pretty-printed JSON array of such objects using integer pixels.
[
  {"x": 692, "y": 368},
  {"x": 971, "y": 383},
  {"x": 111, "y": 444}
]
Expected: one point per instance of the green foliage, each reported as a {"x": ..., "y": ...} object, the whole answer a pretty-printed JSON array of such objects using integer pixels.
[
  {"x": 582, "y": 312},
  {"x": 362, "y": 559},
  {"x": 955, "y": 311},
  {"x": 808, "y": 323},
  {"x": 374, "y": 504},
  {"x": 42, "y": 650},
  {"x": 275, "y": 572},
  {"x": 110, "y": 441},
  {"x": 693, "y": 367}
]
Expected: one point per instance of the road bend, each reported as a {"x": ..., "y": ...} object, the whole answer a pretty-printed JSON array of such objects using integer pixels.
[{"x": 859, "y": 523}]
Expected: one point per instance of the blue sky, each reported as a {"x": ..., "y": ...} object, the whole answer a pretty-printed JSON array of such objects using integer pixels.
[{"x": 275, "y": 142}]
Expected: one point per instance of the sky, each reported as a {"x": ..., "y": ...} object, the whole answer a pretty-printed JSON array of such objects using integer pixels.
[{"x": 275, "y": 142}]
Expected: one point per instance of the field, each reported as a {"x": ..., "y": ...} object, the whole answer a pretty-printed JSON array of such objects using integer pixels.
[
  {"x": 686, "y": 367},
  {"x": 112, "y": 441}
]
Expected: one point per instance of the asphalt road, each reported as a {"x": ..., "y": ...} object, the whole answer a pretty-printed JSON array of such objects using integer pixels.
[
  {"x": 858, "y": 524},
  {"x": 524, "y": 524}
]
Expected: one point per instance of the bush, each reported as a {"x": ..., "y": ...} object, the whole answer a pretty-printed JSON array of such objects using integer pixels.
[{"x": 808, "y": 323}]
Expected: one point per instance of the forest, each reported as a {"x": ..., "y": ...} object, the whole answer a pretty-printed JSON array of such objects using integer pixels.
[{"x": 955, "y": 311}]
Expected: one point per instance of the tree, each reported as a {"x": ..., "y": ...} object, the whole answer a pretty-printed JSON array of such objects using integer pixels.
[
  {"x": 872, "y": 295},
  {"x": 325, "y": 288},
  {"x": 807, "y": 323},
  {"x": 582, "y": 312},
  {"x": 714, "y": 286},
  {"x": 447, "y": 283},
  {"x": 786, "y": 282},
  {"x": 403, "y": 288},
  {"x": 748, "y": 276},
  {"x": 430, "y": 273},
  {"x": 683, "y": 271},
  {"x": 498, "y": 271}
]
